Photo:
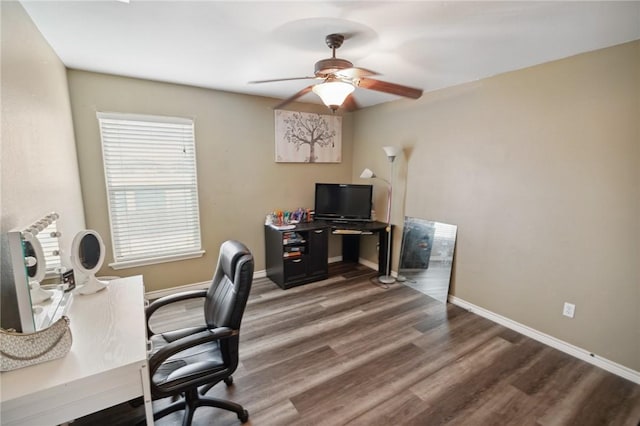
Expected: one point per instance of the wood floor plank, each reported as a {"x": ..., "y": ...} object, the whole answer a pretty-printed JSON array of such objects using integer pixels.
[
  {"x": 280, "y": 413},
  {"x": 538, "y": 377},
  {"x": 468, "y": 393},
  {"x": 357, "y": 389},
  {"x": 563, "y": 411},
  {"x": 609, "y": 402},
  {"x": 532, "y": 392},
  {"x": 347, "y": 351},
  {"x": 460, "y": 370},
  {"x": 395, "y": 410}
]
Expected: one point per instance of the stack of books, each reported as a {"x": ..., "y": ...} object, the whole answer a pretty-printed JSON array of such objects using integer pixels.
[
  {"x": 295, "y": 251},
  {"x": 292, "y": 238}
]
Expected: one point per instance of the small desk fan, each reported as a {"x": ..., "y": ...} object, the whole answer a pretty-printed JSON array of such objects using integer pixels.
[{"x": 87, "y": 256}]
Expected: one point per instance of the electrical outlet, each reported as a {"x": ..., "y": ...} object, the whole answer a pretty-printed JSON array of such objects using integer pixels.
[{"x": 569, "y": 309}]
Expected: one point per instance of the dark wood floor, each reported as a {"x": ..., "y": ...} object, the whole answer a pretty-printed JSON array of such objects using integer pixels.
[{"x": 347, "y": 351}]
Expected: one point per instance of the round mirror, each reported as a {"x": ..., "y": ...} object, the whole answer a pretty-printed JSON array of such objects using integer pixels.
[
  {"x": 90, "y": 252},
  {"x": 87, "y": 256}
]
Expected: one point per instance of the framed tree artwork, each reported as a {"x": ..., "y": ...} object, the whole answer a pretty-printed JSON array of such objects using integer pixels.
[{"x": 308, "y": 138}]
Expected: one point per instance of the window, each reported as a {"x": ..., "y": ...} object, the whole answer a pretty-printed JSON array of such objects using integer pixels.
[{"x": 150, "y": 172}]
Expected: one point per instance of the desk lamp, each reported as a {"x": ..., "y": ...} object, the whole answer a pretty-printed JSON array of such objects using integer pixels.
[{"x": 392, "y": 152}]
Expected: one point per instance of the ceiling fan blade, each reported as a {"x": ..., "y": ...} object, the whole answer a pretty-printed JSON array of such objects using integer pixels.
[
  {"x": 355, "y": 73},
  {"x": 280, "y": 79},
  {"x": 294, "y": 97},
  {"x": 386, "y": 87},
  {"x": 350, "y": 104}
]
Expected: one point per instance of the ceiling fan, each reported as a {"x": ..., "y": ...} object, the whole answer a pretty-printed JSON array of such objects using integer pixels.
[{"x": 340, "y": 78}]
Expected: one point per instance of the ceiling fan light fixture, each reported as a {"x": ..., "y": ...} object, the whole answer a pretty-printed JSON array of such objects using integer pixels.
[{"x": 333, "y": 93}]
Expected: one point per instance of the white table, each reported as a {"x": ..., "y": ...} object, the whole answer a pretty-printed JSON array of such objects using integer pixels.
[{"x": 107, "y": 363}]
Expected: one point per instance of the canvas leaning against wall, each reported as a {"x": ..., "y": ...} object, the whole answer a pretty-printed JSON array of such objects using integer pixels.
[{"x": 308, "y": 138}]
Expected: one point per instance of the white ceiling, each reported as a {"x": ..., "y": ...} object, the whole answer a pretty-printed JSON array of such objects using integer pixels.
[{"x": 225, "y": 44}]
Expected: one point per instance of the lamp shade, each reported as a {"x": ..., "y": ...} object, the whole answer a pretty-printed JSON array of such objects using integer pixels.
[
  {"x": 391, "y": 151},
  {"x": 367, "y": 174},
  {"x": 333, "y": 93}
]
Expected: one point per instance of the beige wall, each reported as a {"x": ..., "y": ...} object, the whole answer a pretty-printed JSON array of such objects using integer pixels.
[
  {"x": 238, "y": 180},
  {"x": 39, "y": 165},
  {"x": 540, "y": 170}
]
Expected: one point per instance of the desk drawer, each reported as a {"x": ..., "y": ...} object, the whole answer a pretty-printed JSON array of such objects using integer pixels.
[{"x": 295, "y": 269}]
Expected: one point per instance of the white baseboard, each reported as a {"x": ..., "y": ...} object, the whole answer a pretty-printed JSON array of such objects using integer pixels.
[
  {"x": 194, "y": 286},
  {"x": 368, "y": 263},
  {"x": 374, "y": 266},
  {"x": 568, "y": 348}
]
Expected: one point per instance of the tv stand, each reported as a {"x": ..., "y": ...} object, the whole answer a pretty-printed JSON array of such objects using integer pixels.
[{"x": 305, "y": 259}]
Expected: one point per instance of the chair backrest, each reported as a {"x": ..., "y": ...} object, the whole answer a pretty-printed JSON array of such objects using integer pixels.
[{"x": 227, "y": 296}]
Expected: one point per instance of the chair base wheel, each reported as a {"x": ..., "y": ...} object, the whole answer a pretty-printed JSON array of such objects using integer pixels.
[
  {"x": 228, "y": 381},
  {"x": 244, "y": 417}
]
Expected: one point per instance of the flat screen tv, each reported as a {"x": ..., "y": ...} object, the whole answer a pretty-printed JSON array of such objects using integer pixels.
[{"x": 343, "y": 202}]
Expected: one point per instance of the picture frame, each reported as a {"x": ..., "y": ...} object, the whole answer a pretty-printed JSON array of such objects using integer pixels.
[{"x": 302, "y": 137}]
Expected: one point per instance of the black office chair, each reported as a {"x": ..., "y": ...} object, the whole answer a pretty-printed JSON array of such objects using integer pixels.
[{"x": 200, "y": 357}]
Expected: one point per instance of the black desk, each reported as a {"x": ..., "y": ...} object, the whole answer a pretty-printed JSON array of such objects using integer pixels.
[
  {"x": 299, "y": 255},
  {"x": 351, "y": 241}
]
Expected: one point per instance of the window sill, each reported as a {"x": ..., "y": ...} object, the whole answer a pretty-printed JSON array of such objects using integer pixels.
[{"x": 156, "y": 260}]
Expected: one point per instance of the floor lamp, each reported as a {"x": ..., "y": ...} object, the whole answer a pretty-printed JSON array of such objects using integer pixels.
[{"x": 392, "y": 152}]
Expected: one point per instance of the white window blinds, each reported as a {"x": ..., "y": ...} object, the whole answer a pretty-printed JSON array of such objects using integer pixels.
[{"x": 150, "y": 172}]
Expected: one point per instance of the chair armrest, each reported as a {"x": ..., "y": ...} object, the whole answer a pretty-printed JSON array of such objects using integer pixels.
[
  {"x": 167, "y": 300},
  {"x": 188, "y": 342}
]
